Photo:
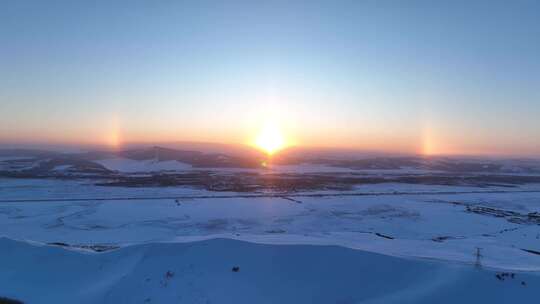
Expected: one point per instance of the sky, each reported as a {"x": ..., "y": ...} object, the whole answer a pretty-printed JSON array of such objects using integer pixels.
[{"x": 428, "y": 77}]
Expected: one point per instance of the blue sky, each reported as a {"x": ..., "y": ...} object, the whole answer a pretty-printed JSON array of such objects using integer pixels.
[{"x": 413, "y": 76}]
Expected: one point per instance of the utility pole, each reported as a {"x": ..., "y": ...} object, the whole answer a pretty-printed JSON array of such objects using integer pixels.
[{"x": 478, "y": 255}]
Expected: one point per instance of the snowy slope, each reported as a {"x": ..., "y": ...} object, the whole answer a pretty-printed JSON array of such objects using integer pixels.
[
  {"x": 126, "y": 165},
  {"x": 201, "y": 272}
]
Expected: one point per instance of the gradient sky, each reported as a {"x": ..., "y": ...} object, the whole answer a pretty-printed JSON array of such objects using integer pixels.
[{"x": 457, "y": 77}]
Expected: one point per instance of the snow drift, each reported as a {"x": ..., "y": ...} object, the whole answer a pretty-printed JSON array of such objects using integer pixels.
[{"x": 229, "y": 271}]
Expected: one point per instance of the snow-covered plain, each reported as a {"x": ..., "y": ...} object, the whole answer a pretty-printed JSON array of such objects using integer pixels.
[
  {"x": 428, "y": 236},
  {"x": 227, "y": 271}
]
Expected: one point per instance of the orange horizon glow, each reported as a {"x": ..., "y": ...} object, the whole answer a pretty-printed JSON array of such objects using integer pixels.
[
  {"x": 425, "y": 149},
  {"x": 272, "y": 137}
]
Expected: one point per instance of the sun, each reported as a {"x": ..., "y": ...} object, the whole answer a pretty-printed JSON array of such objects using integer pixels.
[{"x": 270, "y": 139}]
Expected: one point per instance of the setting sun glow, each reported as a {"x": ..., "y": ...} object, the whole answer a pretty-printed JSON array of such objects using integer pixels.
[{"x": 270, "y": 139}]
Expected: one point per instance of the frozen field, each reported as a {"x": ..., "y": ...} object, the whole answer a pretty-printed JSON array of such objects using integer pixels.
[
  {"x": 438, "y": 222},
  {"x": 133, "y": 231}
]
